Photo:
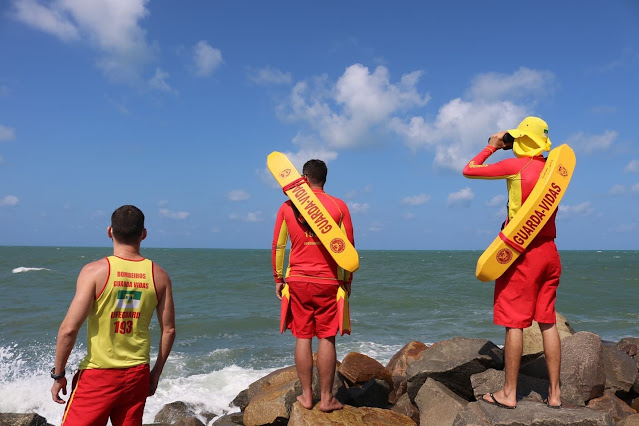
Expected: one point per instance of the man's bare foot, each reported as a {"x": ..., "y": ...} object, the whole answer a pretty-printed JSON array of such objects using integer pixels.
[
  {"x": 332, "y": 405},
  {"x": 306, "y": 401}
]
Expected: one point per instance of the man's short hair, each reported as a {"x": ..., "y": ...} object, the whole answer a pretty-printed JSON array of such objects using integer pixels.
[
  {"x": 315, "y": 171},
  {"x": 127, "y": 224}
]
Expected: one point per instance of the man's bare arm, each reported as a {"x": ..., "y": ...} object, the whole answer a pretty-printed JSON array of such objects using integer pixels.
[
  {"x": 76, "y": 315},
  {"x": 166, "y": 318}
]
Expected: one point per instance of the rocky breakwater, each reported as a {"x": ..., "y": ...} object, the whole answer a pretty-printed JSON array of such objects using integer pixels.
[{"x": 442, "y": 385}]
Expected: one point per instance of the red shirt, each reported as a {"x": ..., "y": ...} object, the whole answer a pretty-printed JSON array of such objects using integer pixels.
[
  {"x": 521, "y": 175},
  {"x": 309, "y": 260}
]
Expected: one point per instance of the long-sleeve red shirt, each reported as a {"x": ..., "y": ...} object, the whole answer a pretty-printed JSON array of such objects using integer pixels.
[
  {"x": 521, "y": 175},
  {"x": 309, "y": 260}
]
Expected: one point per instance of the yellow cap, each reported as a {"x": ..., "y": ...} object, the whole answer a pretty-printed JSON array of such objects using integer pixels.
[{"x": 531, "y": 137}]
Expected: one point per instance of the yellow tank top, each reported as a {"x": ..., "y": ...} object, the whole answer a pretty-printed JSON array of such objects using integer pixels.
[{"x": 118, "y": 326}]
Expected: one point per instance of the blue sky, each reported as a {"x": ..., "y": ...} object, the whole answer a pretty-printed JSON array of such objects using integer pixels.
[{"x": 174, "y": 106}]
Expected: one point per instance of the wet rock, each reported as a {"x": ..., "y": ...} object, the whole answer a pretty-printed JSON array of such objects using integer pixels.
[
  {"x": 15, "y": 419},
  {"x": 175, "y": 411},
  {"x": 232, "y": 419}
]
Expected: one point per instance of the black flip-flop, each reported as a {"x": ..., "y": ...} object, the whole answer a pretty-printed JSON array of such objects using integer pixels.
[
  {"x": 555, "y": 407},
  {"x": 497, "y": 403}
]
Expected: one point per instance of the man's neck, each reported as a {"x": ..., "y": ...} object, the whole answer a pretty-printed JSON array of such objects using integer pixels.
[{"x": 126, "y": 251}]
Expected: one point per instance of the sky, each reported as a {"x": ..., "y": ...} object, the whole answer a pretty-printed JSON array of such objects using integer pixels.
[{"x": 174, "y": 107}]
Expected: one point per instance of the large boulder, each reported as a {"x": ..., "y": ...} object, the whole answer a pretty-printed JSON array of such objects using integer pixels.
[
  {"x": 231, "y": 419},
  {"x": 533, "y": 342},
  {"x": 609, "y": 403},
  {"x": 582, "y": 374},
  {"x": 530, "y": 413},
  {"x": 272, "y": 405},
  {"x": 405, "y": 407},
  {"x": 529, "y": 388},
  {"x": 630, "y": 346},
  {"x": 630, "y": 421},
  {"x": 373, "y": 393},
  {"x": 15, "y": 419},
  {"x": 621, "y": 369},
  {"x": 438, "y": 405},
  {"x": 348, "y": 416},
  {"x": 397, "y": 365},
  {"x": 175, "y": 411},
  {"x": 451, "y": 363},
  {"x": 358, "y": 368}
]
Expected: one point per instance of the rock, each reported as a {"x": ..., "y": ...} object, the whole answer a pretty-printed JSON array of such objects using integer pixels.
[
  {"x": 373, "y": 393},
  {"x": 621, "y": 369},
  {"x": 175, "y": 411},
  {"x": 531, "y": 414},
  {"x": 15, "y": 419},
  {"x": 635, "y": 404},
  {"x": 529, "y": 388},
  {"x": 405, "y": 407},
  {"x": 241, "y": 400},
  {"x": 609, "y": 403},
  {"x": 232, "y": 419},
  {"x": 533, "y": 342},
  {"x": 397, "y": 366},
  {"x": 438, "y": 405},
  {"x": 189, "y": 421},
  {"x": 272, "y": 405},
  {"x": 582, "y": 375},
  {"x": 348, "y": 416},
  {"x": 274, "y": 379},
  {"x": 630, "y": 346},
  {"x": 630, "y": 421},
  {"x": 359, "y": 368},
  {"x": 451, "y": 363}
]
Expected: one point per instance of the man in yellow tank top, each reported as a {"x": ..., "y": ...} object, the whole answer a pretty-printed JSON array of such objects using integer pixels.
[{"x": 119, "y": 295}]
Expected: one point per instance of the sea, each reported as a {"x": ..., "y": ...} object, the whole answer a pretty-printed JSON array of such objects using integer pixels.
[{"x": 227, "y": 314}]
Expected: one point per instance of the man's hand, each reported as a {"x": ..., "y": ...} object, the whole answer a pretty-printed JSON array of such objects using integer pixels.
[
  {"x": 154, "y": 380},
  {"x": 497, "y": 140},
  {"x": 278, "y": 290},
  {"x": 347, "y": 287},
  {"x": 60, "y": 384}
]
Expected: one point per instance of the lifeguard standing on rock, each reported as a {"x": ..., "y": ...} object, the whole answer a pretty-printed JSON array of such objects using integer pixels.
[{"x": 528, "y": 289}]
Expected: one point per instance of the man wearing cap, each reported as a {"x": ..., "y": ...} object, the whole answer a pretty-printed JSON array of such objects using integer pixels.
[{"x": 527, "y": 290}]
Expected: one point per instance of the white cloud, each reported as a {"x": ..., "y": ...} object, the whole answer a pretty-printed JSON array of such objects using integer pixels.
[
  {"x": 632, "y": 167},
  {"x": 111, "y": 27},
  {"x": 461, "y": 198},
  {"x": 523, "y": 82},
  {"x": 255, "y": 216},
  {"x": 459, "y": 129},
  {"x": 416, "y": 200},
  {"x": 268, "y": 75},
  {"x": 158, "y": 82},
  {"x": 344, "y": 114},
  {"x": 7, "y": 133},
  {"x": 617, "y": 190},
  {"x": 590, "y": 143},
  {"x": 172, "y": 214},
  {"x": 238, "y": 195},
  {"x": 9, "y": 200},
  {"x": 497, "y": 200},
  {"x": 582, "y": 209},
  {"x": 207, "y": 58},
  {"x": 358, "y": 207}
]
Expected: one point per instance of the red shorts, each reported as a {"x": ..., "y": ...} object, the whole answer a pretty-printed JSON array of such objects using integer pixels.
[
  {"x": 118, "y": 393},
  {"x": 528, "y": 289},
  {"x": 314, "y": 309}
]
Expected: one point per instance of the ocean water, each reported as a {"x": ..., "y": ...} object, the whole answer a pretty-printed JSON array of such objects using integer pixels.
[{"x": 227, "y": 314}]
